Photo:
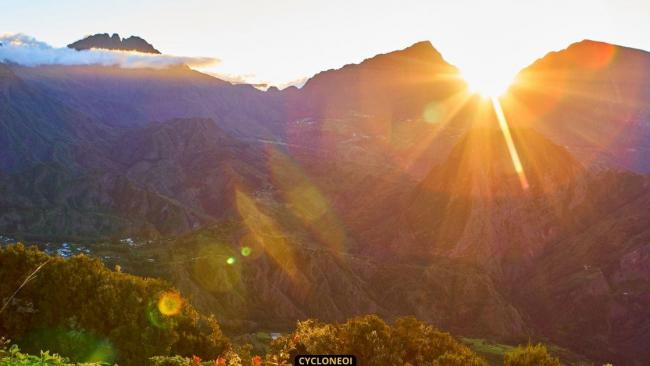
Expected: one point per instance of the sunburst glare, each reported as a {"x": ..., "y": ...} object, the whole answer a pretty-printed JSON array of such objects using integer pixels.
[
  {"x": 512, "y": 149},
  {"x": 488, "y": 82}
]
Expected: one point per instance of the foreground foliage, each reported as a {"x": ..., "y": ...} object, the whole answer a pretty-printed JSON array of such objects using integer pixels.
[
  {"x": 82, "y": 310},
  {"x": 10, "y": 355},
  {"x": 530, "y": 355},
  {"x": 407, "y": 342},
  {"x": 86, "y": 314}
]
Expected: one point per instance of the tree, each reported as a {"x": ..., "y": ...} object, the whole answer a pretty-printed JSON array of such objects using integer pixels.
[
  {"x": 79, "y": 299},
  {"x": 373, "y": 342}
]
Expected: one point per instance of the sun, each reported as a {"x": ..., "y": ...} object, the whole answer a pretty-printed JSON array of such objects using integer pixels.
[{"x": 487, "y": 82}]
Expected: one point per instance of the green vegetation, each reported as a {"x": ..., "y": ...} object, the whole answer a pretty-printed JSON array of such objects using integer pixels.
[
  {"x": 530, "y": 355},
  {"x": 493, "y": 353},
  {"x": 82, "y": 310},
  {"x": 407, "y": 342},
  {"x": 86, "y": 314},
  {"x": 11, "y": 356}
]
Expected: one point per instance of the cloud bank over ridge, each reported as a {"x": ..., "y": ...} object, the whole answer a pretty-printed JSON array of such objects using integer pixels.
[{"x": 28, "y": 51}]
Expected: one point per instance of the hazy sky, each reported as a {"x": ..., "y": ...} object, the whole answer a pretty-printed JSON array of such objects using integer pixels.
[{"x": 283, "y": 40}]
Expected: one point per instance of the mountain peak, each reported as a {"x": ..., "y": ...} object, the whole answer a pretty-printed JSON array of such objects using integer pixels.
[
  {"x": 114, "y": 42},
  {"x": 469, "y": 205},
  {"x": 418, "y": 55},
  {"x": 422, "y": 49},
  {"x": 590, "y": 55},
  {"x": 483, "y": 159}
]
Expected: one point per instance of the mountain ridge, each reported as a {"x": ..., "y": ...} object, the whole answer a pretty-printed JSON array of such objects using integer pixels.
[{"x": 114, "y": 42}]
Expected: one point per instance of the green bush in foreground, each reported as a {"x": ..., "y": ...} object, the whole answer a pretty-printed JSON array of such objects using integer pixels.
[
  {"x": 374, "y": 342},
  {"x": 530, "y": 355},
  {"x": 12, "y": 356},
  {"x": 80, "y": 309}
]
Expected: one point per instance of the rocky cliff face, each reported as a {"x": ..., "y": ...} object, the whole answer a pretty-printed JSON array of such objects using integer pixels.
[
  {"x": 114, "y": 42},
  {"x": 309, "y": 280},
  {"x": 592, "y": 281}
]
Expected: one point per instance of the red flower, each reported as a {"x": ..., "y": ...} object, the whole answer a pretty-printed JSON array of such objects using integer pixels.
[
  {"x": 256, "y": 361},
  {"x": 196, "y": 360},
  {"x": 220, "y": 361}
]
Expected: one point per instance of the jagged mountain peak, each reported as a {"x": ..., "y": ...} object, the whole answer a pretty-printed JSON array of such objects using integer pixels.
[{"x": 114, "y": 42}]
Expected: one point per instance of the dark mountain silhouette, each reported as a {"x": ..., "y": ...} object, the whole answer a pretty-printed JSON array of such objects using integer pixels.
[
  {"x": 114, "y": 42},
  {"x": 135, "y": 97},
  {"x": 34, "y": 126}
]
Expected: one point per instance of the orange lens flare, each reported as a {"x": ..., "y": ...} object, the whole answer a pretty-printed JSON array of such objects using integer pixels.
[
  {"x": 307, "y": 202},
  {"x": 514, "y": 155},
  {"x": 170, "y": 303},
  {"x": 268, "y": 233}
]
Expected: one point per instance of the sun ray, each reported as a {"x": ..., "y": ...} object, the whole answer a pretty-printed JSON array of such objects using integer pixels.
[{"x": 512, "y": 149}]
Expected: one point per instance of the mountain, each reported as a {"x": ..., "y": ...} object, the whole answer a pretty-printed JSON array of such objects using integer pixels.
[
  {"x": 381, "y": 187},
  {"x": 114, "y": 42},
  {"x": 192, "y": 161},
  {"x": 35, "y": 127},
  {"x": 591, "y": 98},
  {"x": 126, "y": 98},
  {"x": 595, "y": 281},
  {"x": 566, "y": 249},
  {"x": 476, "y": 206},
  {"x": 391, "y": 86},
  {"x": 165, "y": 179}
]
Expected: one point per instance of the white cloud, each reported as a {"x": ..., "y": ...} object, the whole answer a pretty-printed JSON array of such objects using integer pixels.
[{"x": 27, "y": 51}]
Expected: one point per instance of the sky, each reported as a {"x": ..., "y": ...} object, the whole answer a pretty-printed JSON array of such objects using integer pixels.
[{"x": 284, "y": 41}]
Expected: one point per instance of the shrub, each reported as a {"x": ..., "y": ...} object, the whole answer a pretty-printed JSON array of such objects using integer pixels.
[
  {"x": 12, "y": 356},
  {"x": 373, "y": 342},
  {"x": 530, "y": 355},
  {"x": 80, "y": 297},
  {"x": 169, "y": 361}
]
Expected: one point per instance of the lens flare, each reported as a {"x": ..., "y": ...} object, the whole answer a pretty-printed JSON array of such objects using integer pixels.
[
  {"x": 246, "y": 251},
  {"x": 103, "y": 353},
  {"x": 75, "y": 344},
  {"x": 214, "y": 269},
  {"x": 170, "y": 303},
  {"x": 307, "y": 202},
  {"x": 156, "y": 318},
  {"x": 433, "y": 113},
  {"x": 268, "y": 233},
  {"x": 514, "y": 155}
]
